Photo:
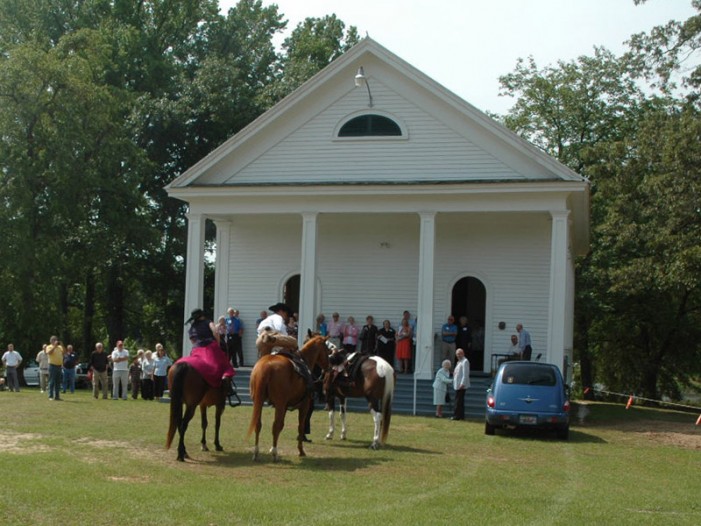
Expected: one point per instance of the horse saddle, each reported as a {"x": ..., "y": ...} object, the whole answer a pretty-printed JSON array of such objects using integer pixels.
[
  {"x": 355, "y": 360},
  {"x": 299, "y": 366}
]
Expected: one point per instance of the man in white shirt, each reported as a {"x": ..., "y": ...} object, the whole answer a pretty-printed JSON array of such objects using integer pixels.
[
  {"x": 11, "y": 359},
  {"x": 120, "y": 370},
  {"x": 461, "y": 381},
  {"x": 272, "y": 331}
]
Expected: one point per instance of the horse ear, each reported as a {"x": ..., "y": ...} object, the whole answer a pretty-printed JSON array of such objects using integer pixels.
[{"x": 309, "y": 333}]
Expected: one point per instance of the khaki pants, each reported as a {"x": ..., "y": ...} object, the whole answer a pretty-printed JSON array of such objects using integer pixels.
[
  {"x": 268, "y": 341},
  {"x": 97, "y": 379}
]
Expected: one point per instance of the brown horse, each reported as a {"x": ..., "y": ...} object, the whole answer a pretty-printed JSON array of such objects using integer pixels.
[
  {"x": 373, "y": 380},
  {"x": 274, "y": 380},
  {"x": 188, "y": 387}
]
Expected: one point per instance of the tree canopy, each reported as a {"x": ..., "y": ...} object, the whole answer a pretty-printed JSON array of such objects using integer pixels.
[{"x": 104, "y": 103}]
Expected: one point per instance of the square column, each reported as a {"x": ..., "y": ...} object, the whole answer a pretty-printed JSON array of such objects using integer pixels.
[
  {"x": 194, "y": 271},
  {"x": 423, "y": 368},
  {"x": 558, "y": 308},
  {"x": 221, "y": 269},
  {"x": 307, "y": 288}
]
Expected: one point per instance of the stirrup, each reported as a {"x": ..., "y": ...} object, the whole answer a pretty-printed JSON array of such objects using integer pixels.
[{"x": 232, "y": 396}]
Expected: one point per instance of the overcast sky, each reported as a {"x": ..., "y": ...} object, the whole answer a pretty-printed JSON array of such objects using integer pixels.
[{"x": 465, "y": 45}]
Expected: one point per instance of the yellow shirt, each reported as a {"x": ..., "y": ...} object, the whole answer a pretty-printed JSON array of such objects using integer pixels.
[{"x": 55, "y": 353}]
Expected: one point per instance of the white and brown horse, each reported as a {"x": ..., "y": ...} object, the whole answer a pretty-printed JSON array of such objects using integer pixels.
[{"x": 374, "y": 380}]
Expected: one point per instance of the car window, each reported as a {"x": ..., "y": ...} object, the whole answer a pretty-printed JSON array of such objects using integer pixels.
[{"x": 527, "y": 374}]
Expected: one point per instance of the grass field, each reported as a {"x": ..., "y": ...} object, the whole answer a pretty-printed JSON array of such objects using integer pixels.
[{"x": 99, "y": 462}]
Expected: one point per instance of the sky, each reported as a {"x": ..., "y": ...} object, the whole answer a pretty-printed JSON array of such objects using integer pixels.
[{"x": 465, "y": 45}]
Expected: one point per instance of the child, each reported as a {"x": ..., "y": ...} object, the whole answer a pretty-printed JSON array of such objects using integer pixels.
[{"x": 440, "y": 387}]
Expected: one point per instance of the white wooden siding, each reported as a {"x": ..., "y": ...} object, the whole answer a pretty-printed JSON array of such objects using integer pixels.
[{"x": 432, "y": 151}]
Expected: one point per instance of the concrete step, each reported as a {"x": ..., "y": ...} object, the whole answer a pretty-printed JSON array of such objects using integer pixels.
[{"x": 403, "y": 402}]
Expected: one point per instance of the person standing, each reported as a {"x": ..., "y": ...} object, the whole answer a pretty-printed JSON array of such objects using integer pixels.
[
  {"x": 55, "y": 351},
  {"x": 11, "y": 359},
  {"x": 524, "y": 342},
  {"x": 449, "y": 332},
  {"x": 386, "y": 340},
  {"x": 69, "y": 362},
  {"x": 461, "y": 382},
  {"x": 335, "y": 327},
  {"x": 234, "y": 335},
  {"x": 162, "y": 363},
  {"x": 321, "y": 326},
  {"x": 440, "y": 387},
  {"x": 350, "y": 335},
  {"x": 148, "y": 366},
  {"x": 98, "y": 364},
  {"x": 463, "y": 340},
  {"x": 404, "y": 335},
  {"x": 120, "y": 371},
  {"x": 135, "y": 374},
  {"x": 368, "y": 336},
  {"x": 43, "y": 361}
]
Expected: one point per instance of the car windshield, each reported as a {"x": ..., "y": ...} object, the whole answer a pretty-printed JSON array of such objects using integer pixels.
[{"x": 528, "y": 374}]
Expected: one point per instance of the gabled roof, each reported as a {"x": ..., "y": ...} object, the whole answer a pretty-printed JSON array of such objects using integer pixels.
[{"x": 335, "y": 81}]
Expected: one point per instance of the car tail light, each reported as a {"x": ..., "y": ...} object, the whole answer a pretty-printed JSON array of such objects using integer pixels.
[
  {"x": 566, "y": 406},
  {"x": 490, "y": 402}
]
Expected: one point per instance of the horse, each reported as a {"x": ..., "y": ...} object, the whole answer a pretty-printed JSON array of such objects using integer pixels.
[
  {"x": 188, "y": 387},
  {"x": 373, "y": 379},
  {"x": 274, "y": 380}
]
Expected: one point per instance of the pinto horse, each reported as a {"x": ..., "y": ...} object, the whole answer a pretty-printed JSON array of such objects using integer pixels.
[
  {"x": 373, "y": 380},
  {"x": 274, "y": 380},
  {"x": 188, "y": 387}
]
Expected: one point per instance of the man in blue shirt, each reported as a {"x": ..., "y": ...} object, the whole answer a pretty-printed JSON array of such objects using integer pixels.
[
  {"x": 524, "y": 342},
  {"x": 234, "y": 333},
  {"x": 448, "y": 333}
]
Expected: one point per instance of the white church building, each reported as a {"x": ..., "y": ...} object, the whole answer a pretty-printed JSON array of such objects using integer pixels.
[{"x": 373, "y": 191}]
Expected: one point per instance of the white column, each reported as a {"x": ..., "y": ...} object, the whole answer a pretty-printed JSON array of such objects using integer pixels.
[
  {"x": 194, "y": 271},
  {"x": 221, "y": 269},
  {"x": 307, "y": 288},
  {"x": 558, "y": 288},
  {"x": 424, "y": 325}
]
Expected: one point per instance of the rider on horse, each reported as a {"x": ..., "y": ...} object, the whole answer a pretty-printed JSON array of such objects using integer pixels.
[
  {"x": 272, "y": 331},
  {"x": 207, "y": 355}
]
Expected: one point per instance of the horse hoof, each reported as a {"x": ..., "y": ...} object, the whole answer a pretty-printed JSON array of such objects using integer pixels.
[
  {"x": 219, "y": 448},
  {"x": 374, "y": 446},
  {"x": 329, "y": 436},
  {"x": 204, "y": 448}
]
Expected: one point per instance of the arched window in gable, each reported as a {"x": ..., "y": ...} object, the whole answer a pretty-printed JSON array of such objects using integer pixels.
[{"x": 370, "y": 125}]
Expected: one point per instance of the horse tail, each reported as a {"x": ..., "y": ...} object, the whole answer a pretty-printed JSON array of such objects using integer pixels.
[
  {"x": 387, "y": 397},
  {"x": 176, "y": 400},
  {"x": 256, "y": 392}
]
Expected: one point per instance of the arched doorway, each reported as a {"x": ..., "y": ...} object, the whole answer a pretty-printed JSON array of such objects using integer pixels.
[
  {"x": 469, "y": 298},
  {"x": 290, "y": 292}
]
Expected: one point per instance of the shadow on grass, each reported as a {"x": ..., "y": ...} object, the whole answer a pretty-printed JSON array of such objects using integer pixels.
[{"x": 576, "y": 436}]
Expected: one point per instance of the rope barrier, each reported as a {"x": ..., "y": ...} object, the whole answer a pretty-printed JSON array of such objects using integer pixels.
[{"x": 632, "y": 398}]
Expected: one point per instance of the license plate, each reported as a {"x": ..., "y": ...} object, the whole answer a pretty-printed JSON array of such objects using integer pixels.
[{"x": 527, "y": 419}]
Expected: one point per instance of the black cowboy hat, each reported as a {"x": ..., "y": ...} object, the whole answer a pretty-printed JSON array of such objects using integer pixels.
[
  {"x": 281, "y": 306},
  {"x": 195, "y": 314}
]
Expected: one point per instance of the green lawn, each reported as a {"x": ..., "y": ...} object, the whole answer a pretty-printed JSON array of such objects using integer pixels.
[{"x": 86, "y": 461}]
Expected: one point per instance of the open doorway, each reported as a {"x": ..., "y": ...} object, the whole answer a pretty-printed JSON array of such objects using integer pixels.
[
  {"x": 469, "y": 298},
  {"x": 290, "y": 292}
]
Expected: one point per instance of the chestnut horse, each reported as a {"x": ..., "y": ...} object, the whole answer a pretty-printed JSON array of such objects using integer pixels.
[
  {"x": 274, "y": 380},
  {"x": 188, "y": 387},
  {"x": 373, "y": 380}
]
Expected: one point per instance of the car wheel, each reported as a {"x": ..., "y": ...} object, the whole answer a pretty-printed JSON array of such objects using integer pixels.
[
  {"x": 488, "y": 429},
  {"x": 564, "y": 433}
]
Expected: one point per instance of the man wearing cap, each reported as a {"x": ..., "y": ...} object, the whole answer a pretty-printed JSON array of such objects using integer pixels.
[
  {"x": 272, "y": 331},
  {"x": 120, "y": 370}
]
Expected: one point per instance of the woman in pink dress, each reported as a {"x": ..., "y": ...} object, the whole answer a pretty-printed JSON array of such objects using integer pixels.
[
  {"x": 404, "y": 346},
  {"x": 350, "y": 335}
]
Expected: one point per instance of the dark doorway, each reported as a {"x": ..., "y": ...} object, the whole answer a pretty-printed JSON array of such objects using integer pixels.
[
  {"x": 469, "y": 299},
  {"x": 290, "y": 293}
]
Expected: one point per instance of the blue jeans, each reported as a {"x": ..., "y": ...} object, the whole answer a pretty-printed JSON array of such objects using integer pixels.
[
  {"x": 69, "y": 380},
  {"x": 54, "y": 381}
]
